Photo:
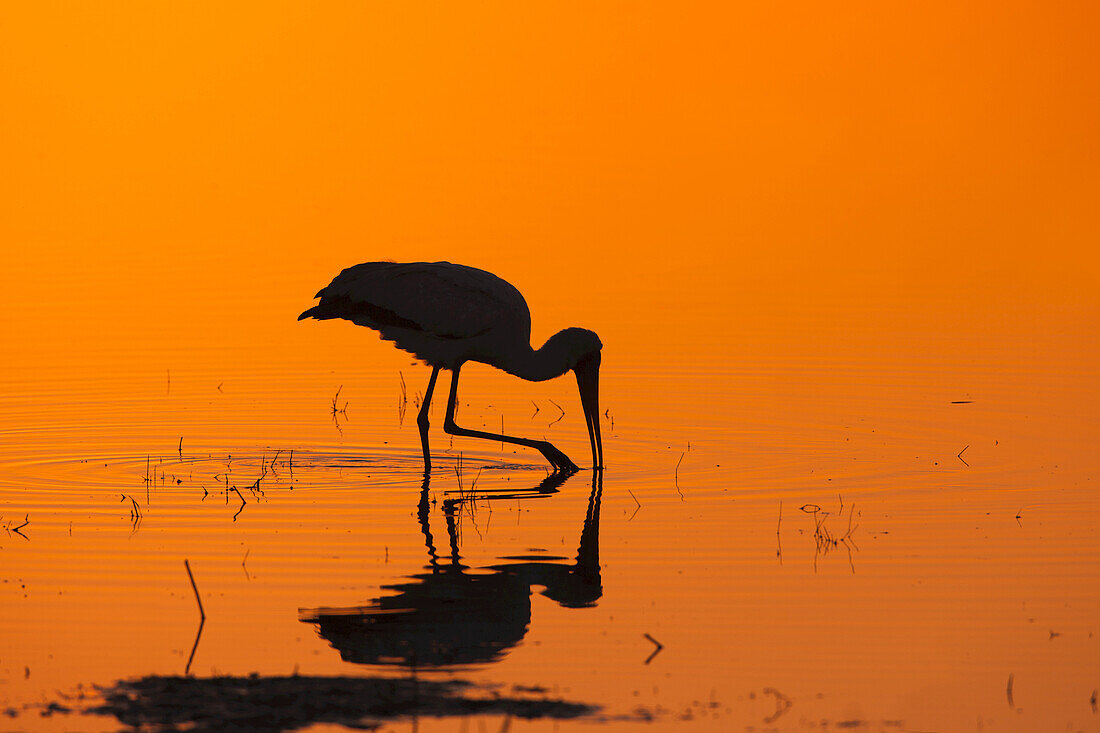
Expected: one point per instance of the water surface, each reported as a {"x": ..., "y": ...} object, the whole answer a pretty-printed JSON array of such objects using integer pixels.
[{"x": 797, "y": 543}]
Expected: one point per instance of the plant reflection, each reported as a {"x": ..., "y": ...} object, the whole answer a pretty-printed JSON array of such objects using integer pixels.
[{"x": 447, "y": 616}]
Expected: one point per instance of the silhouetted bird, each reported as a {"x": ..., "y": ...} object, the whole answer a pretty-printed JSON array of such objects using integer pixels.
[{"x": 448, "y": 314}]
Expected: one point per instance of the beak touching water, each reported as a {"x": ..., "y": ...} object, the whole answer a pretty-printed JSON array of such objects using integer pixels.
[{"x": 588, "y": 382}]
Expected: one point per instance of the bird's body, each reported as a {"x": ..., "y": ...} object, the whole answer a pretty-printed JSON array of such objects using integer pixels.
[{"x": 446, "y": 315}]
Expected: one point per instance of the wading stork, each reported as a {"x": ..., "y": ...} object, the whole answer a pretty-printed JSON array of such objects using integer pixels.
[{"x": 447, "y": 315}]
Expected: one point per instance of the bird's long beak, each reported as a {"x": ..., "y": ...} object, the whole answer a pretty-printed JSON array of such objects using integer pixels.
[{"x": 588, "y": 382}]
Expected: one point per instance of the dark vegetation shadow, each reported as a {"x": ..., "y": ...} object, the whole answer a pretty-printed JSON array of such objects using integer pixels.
[
  {"x": 288, "y": 703},
  {"x": 450, "y": 617}
]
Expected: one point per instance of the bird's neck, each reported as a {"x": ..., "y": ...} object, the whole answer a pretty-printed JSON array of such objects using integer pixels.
[{"x": 552, "y": 359}]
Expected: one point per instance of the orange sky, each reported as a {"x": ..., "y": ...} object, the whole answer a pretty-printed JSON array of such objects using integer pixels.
[{"x": 622, "y": 163}]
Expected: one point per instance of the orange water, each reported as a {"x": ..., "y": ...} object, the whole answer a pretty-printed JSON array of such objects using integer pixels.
[
  {"x": 838, "y": 258},
  {"x": 954, "y": 576}
]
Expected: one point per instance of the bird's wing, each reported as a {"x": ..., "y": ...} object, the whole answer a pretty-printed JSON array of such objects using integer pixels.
[{"x": 440, "y": 298}]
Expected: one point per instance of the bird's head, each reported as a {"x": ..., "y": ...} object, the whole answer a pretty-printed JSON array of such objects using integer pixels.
[
  {"x": 576, "y": 350},
  {"x": 578, "y": 343}
]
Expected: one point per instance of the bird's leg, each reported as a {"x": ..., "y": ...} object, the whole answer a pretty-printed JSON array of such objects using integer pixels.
[
  {"x": 422, "y": 419},
  {"x": 557, "y": 459}
]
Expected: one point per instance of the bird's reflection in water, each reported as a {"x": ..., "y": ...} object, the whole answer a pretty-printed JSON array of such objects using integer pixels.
[{"x": 449, "y": 617}]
